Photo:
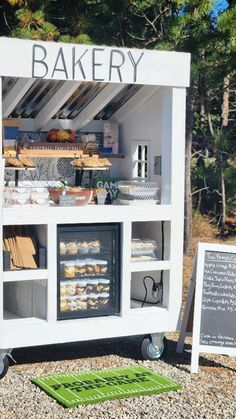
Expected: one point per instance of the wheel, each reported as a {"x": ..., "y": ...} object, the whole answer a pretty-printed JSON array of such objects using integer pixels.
[
  {"x": 153, "y": 352},
  {"x": 4, "y": 365}
]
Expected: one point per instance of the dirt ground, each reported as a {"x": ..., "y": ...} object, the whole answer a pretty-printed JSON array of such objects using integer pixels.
[{"x": 206, "y": 232}]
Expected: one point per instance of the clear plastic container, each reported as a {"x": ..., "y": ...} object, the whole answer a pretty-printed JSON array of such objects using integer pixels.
[
  {"x": 145, "y": 247},
  {"x": 39, "y": 198},
  {"x": 92, "y": 286},
  {"x": 70, "y": 288},
  {"x": 82, "y": 302},
  {"x": 93, "y": 301},
  {"x": 69, "y": 269},
  {"x": 81, "y": 287},
  {"x": 71, "y": 248},
  {"x": 103, "y": 299},
  {"x": 80, "y": 267},
  {"x": 138, "y": 189},
  {"x": 82, "y": 248},
  {"x": 103, "y": 285}
]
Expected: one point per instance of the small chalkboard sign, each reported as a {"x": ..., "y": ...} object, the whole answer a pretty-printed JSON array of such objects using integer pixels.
[
  {"x": 213, "y": 288},
  {"x": 67, "y": 200}
]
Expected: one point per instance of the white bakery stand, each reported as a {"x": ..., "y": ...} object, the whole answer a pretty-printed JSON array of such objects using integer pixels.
[{"x": 154, "y": 116}]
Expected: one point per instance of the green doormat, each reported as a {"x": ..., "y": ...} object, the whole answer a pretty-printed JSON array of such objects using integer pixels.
[{"x": 96, "y": 386}]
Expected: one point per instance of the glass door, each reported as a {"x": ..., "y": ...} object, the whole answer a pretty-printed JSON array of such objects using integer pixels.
[{"x": 88, "y": 270}]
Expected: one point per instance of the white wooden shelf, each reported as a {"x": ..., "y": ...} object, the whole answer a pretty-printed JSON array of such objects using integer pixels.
[
  {"x": 25, "y": 275},
  {"x": 12, "y": 317},
  {"x": 84, "y": 214},
  {"x": 157, "y": 265}
]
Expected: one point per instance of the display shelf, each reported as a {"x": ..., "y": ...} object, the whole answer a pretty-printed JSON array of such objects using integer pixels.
[
  {"x": 150, "y": 266},
  {"x": 12, "y": 317},
  {"x": 147, "y": 307},
  {"x": 84, "y": 214},
  {"x": 19, "y": 168},
  {"x": 24, "y": 275}
]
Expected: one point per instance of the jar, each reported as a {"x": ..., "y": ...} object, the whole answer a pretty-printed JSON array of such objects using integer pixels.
[
  {"x": 81, "y": 287},
  {"x": 69, "y": 269},
  {"x": 103, "y": 285}
]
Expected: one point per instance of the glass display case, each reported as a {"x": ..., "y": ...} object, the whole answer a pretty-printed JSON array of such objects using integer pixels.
[{"x": 88, "y": 270}]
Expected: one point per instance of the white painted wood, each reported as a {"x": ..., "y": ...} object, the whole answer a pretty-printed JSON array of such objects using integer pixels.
[
  {"x": 55, "y": 103},
  {"x": 197, "y": 348},
  {"x": 97, "y": 104},
  {"x": 84, "y": 214},
  {"x": 54, "y": 60},
  {"x": 177, "y": 159},
  {"x": 30, "y": 332},
  {"x": 150, "y": 266},
  {"x": 25, "y": 275},
  {"x": 15, "y": 94},
  {"x": 125, "y": 267},
  {"x": 134, "y": 103},
  {"x": 52, "y": 272}
]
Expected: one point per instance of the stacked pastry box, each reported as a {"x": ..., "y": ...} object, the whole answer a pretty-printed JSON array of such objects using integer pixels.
[{"x": 83, "y": 284}]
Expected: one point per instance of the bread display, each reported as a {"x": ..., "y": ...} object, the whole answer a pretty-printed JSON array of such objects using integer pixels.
[{"x": 94, "y": 162}]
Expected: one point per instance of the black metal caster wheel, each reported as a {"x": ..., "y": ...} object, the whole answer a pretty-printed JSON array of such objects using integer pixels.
[
  {"x": 4, "y": 365},
  {"x": 153, "y": 352}
]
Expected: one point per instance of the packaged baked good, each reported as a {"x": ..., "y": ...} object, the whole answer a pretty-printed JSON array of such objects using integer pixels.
[
  {"x": 92, "y": 286},
  {"x": 70, "y": 288},
  {"x": 69, "y": 269},
  {"x": 82, "y": 302},
  {"x": 62, "y": 289},
  {"x": 103, "y": 299},
  {"x": 101, "y": 266},
  {"x": 103, "y": 285},
  {"x": 72, "y": 303},
  {"x": 81, "y": 287},
  {"x": 90, "y": 266},
  {"x": 62, "y": 248},
  {"x": 80, "y": 267},
  {"x": 71, "y": 248},
  {"x": 63, "y": 304},
  {"x": 82, "y": 247},
  {"x": 92, "y": 301},
  {"x": 94, "y": 246}
]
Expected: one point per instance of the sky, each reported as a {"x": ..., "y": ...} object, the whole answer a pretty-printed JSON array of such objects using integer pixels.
[{"x": 220, "y": 5}]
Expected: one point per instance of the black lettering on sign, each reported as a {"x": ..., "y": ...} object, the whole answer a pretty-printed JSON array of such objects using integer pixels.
[
  {"x": 38, "y": 62},
  {"x": 116, "y": 66},
  {"x": 78, "y": 62},
  {"x": 95, "y": 63},
  {"x": 135, "y": 63},
  {"x": 60, "y": 57},
  {"x": 218, "y": 308}
]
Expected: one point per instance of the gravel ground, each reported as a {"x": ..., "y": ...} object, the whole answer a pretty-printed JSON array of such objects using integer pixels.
[{"x": 209, "y": 394}]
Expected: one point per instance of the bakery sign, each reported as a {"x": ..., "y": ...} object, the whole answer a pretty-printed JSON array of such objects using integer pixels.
[{"x": 77, "y": 62}]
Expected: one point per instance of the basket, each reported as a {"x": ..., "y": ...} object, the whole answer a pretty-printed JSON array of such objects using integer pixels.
[{"x": 138, "y": 189}]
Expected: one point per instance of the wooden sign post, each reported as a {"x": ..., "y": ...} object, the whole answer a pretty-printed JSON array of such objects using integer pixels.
[{"x": 213, "y": 287}]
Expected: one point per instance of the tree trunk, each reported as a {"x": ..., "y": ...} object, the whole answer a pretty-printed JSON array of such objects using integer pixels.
[
  {"x": 188, "y": 158},
  {"x": 225, "y": 104},
  {"x": 222, "y": 181}
]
